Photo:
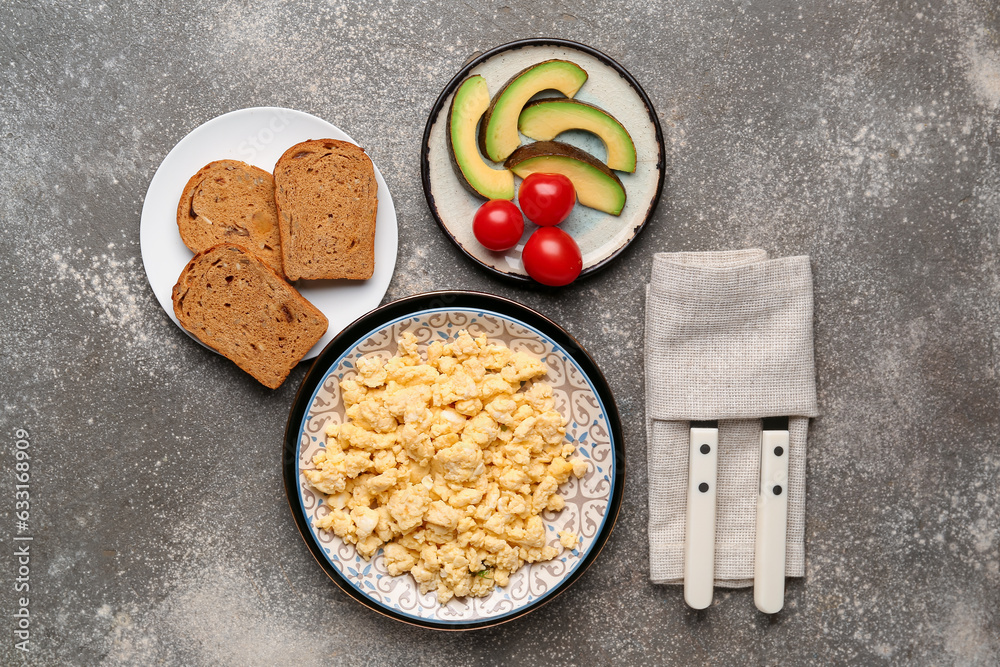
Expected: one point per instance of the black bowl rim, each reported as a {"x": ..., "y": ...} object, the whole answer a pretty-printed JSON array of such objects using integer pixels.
[
  {"x": 425, "y": 176},
  {"x": 459, "y": 300}
]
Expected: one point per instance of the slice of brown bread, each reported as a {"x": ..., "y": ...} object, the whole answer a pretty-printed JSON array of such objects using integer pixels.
[
  {"x": 229, "y": 201},
  {"x": 327, "y": 198},
  {"x": 234, "y": 303}
]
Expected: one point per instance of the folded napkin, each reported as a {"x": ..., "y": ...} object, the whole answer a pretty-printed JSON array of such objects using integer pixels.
[{"x": 728, "y": 337}]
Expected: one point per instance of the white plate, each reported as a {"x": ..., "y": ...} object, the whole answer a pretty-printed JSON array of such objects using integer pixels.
[{"x": 257, "y": 136}]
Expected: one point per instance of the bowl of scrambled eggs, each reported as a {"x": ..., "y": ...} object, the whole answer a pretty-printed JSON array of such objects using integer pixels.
[{"x": 454, "y": 460}]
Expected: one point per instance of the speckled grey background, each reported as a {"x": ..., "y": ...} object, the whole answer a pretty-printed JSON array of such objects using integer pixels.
[{"x": 863, "y": 133}]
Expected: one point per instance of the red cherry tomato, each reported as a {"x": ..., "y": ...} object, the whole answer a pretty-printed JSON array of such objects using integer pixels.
[
  {"x": 546, "y": 199},
  {"x": 552, "y": 257},
  {"x": 498, "y": 224}
]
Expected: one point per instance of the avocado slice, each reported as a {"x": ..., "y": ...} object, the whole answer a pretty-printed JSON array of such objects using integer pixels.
[
  {"x": 544, "y": 119},
  {"x": 467, "y": 106},
  {"x": 596, "y": 186},
  {"x": 498, "y": 132}
]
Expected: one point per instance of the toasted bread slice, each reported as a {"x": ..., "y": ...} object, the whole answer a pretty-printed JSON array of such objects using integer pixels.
[
  {"x": 327, "y": 199},
  {"x": 234, "y": 303},
  {"x": 229, "y": 201}
]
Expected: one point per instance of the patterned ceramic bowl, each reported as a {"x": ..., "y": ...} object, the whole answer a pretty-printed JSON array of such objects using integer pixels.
[{"x": 581, "y": 394}]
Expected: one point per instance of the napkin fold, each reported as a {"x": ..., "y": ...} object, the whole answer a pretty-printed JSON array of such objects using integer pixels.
[{"x": 728, "y": 337}]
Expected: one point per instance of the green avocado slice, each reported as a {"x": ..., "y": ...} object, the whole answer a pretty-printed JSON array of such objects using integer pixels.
[
  {"x": 467, "y": 106},
  {"x": 544, "y": 119},
  {"x": 596, "y": 186},
  {"x": 498, "y": 136}
]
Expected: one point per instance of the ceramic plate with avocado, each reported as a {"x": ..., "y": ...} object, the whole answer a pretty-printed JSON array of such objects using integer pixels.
[{"x": 544, "y": 106}]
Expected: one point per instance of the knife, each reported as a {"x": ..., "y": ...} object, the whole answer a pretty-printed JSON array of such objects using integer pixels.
[
  {"x": 772, "y": 517},
  {"x": 699, "y": 539}
]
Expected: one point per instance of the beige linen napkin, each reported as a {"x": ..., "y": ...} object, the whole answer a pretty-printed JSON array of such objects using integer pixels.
[{"x": 728, "y": 337}]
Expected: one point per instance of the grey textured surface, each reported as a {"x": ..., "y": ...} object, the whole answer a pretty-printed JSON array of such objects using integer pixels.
[{"x": 865, "y": 134}]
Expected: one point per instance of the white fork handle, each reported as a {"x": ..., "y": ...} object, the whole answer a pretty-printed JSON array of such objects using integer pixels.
[
  {"x": 699, "y": 541},
  {"x": 772, "y": 521}
]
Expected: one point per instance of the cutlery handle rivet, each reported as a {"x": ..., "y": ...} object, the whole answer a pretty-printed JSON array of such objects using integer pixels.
[
  {"x": 778, "y": 451},
  {"x": 705, "y": 449},
  {"x": 777, "y": 490},
  {"x": 703, "y": 487}
]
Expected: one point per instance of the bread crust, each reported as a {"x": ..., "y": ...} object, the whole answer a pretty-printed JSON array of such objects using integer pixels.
[
  {"x": 229, "y": 201},
  {"x": 327, "y": 202},
  {"x": 233, "y": 302}
]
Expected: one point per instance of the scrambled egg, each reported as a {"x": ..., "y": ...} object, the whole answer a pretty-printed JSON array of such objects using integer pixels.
[{"x": 447, "y": 464}]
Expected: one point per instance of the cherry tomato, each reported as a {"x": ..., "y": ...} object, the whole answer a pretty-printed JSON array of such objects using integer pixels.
[
  {"x": 498, "y": 224},
  {"x": 546, "y": 199},
  {"x": 552, "y": 257}
]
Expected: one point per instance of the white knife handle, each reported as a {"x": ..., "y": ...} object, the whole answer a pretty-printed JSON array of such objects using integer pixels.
[
  {"x": 772, "y": 521},
  {"x": 699, "y": 540}
]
